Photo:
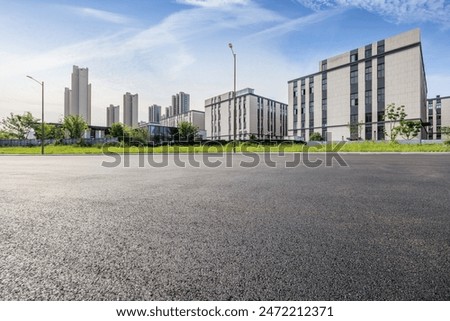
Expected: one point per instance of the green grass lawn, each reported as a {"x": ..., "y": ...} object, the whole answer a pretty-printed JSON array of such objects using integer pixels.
[{"x": 348, "y": 147}]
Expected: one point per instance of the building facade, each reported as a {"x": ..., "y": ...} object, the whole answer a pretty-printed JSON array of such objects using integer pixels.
[
  {"x": 130, "y": 110},
  {"x": 349, "y": 94},
  {"x": 154, "y": 114},
  {"x": 77, "y": 100},
  {"x": 256, "y": 117},
  {"x": 112, "y": 115},
  {"x": 180, "y": 104},
  {"x": 195, "y": 117},
  {"x": 438, "y": 113}
]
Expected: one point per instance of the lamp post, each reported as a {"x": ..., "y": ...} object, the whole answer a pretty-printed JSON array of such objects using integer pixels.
[
  {"x": 42, "y": 121},
  {"x": 234, "y": 96}
]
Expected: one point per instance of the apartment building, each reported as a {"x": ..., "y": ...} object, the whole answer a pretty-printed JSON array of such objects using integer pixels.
[
  {"x": 77, "y": 100},
  {"x": 180, "y": 104},
  {"x": 154, "y": 114},
  {"x": 112, "y": 115},
  {"x": 256, "y": 116},
  {"x": 351, "y": 91},
  {"x": 130, "y": 110},
  {"x": 438, "y": 116}
]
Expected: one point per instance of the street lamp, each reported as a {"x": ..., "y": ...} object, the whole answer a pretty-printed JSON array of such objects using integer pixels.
[
  {"x": 42, "y": 121},
  {"x": 234, "y": 96}
]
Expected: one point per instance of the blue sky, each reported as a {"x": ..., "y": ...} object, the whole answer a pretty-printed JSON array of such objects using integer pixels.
[{"x": 159, "y": 47}]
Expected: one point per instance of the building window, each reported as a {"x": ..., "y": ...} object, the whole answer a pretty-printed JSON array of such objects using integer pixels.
[
  {"x": 368, "y": 132},
  {"x": 324, "y": 104},
  {"x": 354, "y": 100},
  {"x": 324, "y": 84},
  {"x": 380, "y": 116},
  {"x": 354, "y": 77},
  {"x": 369, "y": 53},
  {"x": 354, "y": 57},
  {"x": 369, "y": 73},
  {"x": 311, "y": 88},
  {"x": 368, "y": 117},
  {"x": 380, "y": 70},
  {"x": 368, "y": 97},
  {"x": 380, "y": 49},
  {"x": 380, "y": 95}
]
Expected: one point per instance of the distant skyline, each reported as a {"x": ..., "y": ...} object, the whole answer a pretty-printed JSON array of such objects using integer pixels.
[{"x": 159, "y": 47}]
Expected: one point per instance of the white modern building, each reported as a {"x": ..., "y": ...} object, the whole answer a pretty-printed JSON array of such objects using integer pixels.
[
  {"x": 195, "y": 117},
  {"x": 130, "y": 110},
  {"x": 352, "y": 90},
  {"x": 180, "y": 104},
  {"x": 154, "y": 114},
  {"x": 438, "y": 112},
  {"x": 112, "y": 115},
  {"x": 77, "y": 100},
  {"x": 256, "y": 117}
]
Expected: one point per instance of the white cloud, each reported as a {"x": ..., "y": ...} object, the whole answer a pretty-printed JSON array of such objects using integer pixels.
[
  {"x": 213, "y": 3},
  {"x": 101, "y": 15},
  {"x": 399, "y": 11},
  {"x": 296, "y": 24}
]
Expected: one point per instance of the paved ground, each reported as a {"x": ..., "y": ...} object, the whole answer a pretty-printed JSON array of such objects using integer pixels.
[{"x": 74, "y": 230}]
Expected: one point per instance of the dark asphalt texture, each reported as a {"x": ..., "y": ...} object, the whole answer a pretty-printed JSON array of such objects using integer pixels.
[{"x": 378, "y": 229}]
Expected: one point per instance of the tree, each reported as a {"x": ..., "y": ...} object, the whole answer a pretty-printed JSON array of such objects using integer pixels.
[
  {"x": 5, "y": 135},
  {"x": 19, "y": 126},
  {"x": 445, "y": 131},
  {"x": 75, "y": 126},
  {"x": 315, "y": 137},
  {"x": 139, "y": 135},
  {"x": 187, "y": 131},
  {"x": 410, "y": 129},
  {"x": 49, "y": 131},
  {"x": 392, "y": 116},
  {"x": 355, "y": 130},
  {"x": 121, "y": 131}
]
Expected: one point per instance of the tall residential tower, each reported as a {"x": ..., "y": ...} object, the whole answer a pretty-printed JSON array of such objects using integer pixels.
[
  {"x": 112, "y": 115},
  {"x": 130, "y": 110},
  {"x": 77, "y": 101}
]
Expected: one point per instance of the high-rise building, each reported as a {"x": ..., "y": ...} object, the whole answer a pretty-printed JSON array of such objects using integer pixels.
[
  {"x": 349, "y": 94},
  {"x": 130, "y": 110},
  {"x": 180, "y": 103},
  {"x": 77, "y": 100},
  {"x": 154, "y": 114},
  {"x": 257, "y": 117},
  {"x": 112, "y": 115}
]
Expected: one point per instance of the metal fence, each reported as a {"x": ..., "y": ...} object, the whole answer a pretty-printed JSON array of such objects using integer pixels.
[{"x": 66, "y": 141}]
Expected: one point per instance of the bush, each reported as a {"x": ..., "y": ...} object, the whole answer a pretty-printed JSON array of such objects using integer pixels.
[{"x": 316, "y": 137}]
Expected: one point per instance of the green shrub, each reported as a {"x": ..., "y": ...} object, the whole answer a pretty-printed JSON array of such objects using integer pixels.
[{"x": 316, "y": 137}]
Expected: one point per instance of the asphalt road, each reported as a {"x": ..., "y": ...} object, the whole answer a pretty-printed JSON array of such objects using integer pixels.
[{"x": 378, "y": 229}]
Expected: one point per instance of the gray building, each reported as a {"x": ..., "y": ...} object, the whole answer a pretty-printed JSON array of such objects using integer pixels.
[
  {"x": 438, "y": 113},
  {"x": 257, "y": 117},
  {"x": 77, "y": 100},
  {"x": 112, "y": 115},
  {"x": 130, "y": 110},
  {"x": 180, "y": 104},
  {"x": 154, "y": 114},
  {"x": 352, "y": 90}
]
